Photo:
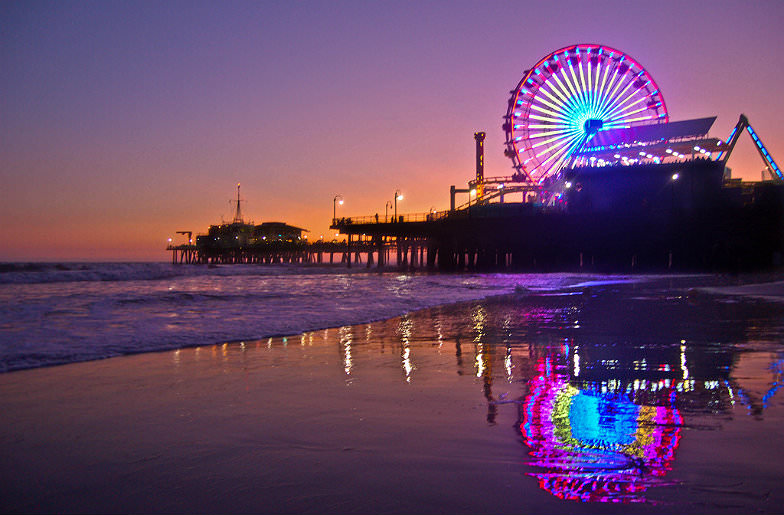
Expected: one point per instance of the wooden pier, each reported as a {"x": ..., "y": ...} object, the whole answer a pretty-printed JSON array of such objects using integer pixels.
[{"x": 349, "y": 253}]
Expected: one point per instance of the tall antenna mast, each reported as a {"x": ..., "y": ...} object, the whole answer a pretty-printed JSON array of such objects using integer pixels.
[{"x": 238, "y": 212}]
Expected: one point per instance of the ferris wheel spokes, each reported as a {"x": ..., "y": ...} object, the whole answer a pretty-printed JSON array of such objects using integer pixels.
[{"x": 569, "y": 96}]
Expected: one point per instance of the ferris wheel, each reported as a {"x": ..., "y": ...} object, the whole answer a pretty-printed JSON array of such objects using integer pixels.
[{"x": 568, "y": 97}]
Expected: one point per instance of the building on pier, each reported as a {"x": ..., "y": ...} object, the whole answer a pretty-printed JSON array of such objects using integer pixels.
[{"x": 243, "y": 241}]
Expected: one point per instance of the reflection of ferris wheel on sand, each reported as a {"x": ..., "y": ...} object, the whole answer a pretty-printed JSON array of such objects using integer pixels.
[{"x": 568, "y": 97}]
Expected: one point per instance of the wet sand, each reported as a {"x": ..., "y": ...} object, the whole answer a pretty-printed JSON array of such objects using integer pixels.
[{"x": 418, "y": 414}]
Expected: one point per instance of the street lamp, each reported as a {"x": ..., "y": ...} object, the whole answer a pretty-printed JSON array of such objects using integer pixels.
[
  {"x": 339, "y": 200},
  {"x": 398, "y": 196},
  {"x": 386, "y": 210}
]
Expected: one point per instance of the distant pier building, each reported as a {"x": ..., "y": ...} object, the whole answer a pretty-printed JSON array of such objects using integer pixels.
[{"x": 243, "y": 242}]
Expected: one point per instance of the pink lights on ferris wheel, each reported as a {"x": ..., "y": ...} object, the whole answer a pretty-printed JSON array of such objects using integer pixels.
[{"x": 569, "y": 96}]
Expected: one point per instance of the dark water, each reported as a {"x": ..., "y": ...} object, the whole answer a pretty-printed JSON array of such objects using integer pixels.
[{"x": 654, "y": 397}]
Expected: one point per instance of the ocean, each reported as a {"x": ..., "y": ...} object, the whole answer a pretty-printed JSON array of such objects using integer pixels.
[{"x": 58, "y": 313}]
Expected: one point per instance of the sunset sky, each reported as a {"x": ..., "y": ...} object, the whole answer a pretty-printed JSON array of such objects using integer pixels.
[{"x": 123, "y": 122}]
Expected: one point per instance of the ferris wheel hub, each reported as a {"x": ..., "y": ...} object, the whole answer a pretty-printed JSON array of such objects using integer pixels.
[{"x": 592, "y": 125}]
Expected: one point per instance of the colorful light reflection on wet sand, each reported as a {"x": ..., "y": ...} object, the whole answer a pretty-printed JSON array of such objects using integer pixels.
[
  {"x": 611, "y": 398},
  {"x": 596, "y": 446}
]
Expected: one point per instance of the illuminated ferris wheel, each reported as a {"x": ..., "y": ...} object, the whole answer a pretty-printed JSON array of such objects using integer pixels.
[{"x": 569, "y": 96}]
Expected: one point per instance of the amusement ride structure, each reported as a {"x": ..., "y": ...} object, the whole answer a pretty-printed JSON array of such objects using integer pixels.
[
  {"x": 591, "y": 105},
  {"x": 570, "y": 95}
]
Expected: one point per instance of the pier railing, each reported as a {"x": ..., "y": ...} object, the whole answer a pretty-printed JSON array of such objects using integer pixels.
[{"x": 377, "y": 219}]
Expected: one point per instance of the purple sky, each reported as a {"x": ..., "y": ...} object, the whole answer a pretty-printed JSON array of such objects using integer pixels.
[{"x": 123, "y": 122}]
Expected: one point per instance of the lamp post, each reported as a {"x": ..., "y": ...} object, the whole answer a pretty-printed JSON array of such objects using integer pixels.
[
  {"x": 398, "y": 196},
  {"x": 386, "y": 210},
  {"x": 337, "y": 200}
]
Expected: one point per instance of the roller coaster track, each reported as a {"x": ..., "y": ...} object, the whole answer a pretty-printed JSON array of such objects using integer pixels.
[{"x": 770, "y": 164}]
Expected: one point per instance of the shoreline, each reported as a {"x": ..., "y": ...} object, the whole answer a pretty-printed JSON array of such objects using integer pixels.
[
  {"x": 174, "y": 305},
  {"x": 772, "y": 291},
  {"x": 265, "y": 336}
]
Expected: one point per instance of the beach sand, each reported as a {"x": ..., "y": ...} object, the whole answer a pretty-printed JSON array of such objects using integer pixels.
[{"x": 417, "y": 414}]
